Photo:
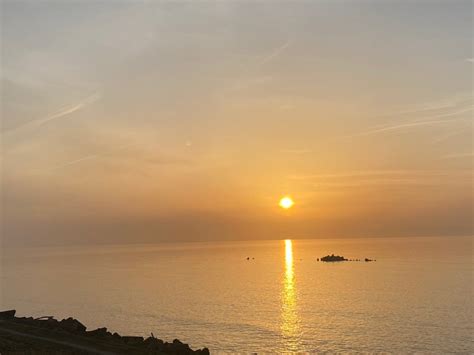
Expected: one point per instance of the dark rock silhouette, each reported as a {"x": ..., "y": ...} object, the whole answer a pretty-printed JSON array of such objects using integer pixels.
[
  {"x": 131, "y": 340},
  {"x": 46, "y": 335},
  {"x": 333, "y": 258},
  {"x": 72, "y": 325},
  {"x": 99, "y": 332},
  {"x": 8, "y": 314}
]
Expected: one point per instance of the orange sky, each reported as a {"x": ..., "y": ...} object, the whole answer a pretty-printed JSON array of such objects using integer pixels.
[{"x": 157, "y": 121}]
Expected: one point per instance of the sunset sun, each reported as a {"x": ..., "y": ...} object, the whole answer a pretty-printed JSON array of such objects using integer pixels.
[{"x": 286, "y": 202}]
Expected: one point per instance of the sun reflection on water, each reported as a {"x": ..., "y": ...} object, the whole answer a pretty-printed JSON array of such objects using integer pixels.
[{"x": 289, "y": 315}]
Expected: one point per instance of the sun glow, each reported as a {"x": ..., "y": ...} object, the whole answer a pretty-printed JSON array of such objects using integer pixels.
[{"x": 286, "y": 202}]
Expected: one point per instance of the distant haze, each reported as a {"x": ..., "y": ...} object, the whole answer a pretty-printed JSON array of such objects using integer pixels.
[{"x": 148, "y": 121}]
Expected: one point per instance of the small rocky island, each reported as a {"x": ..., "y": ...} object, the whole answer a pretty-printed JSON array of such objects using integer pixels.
[
  {"x": 334, "y": 258},
  {"x": 46, "y": 335}
]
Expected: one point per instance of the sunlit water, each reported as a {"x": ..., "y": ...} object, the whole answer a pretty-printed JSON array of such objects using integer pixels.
[{"x": 417, "y": 296}]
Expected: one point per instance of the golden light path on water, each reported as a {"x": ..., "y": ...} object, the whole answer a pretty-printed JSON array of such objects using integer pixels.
[{"x": 289, "y": 314}]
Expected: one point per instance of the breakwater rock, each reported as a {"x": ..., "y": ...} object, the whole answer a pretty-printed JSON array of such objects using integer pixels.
[{"x": 46, "y": 335}]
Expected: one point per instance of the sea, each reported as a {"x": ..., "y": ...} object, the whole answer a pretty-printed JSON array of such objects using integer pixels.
[{"x": 270, "y": 296}]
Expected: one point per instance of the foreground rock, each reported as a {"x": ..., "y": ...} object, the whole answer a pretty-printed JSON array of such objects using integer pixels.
[{"x": 47, "y": 335}]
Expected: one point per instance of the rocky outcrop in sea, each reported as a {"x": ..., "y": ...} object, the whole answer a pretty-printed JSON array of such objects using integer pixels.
[{"x": 334, "y": 258}]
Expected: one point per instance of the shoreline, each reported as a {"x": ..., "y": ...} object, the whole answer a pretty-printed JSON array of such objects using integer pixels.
[{"x": 19, "y": 335}]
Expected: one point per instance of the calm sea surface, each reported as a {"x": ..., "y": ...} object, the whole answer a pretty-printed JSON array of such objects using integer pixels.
[{"x": 417, "y": 296}]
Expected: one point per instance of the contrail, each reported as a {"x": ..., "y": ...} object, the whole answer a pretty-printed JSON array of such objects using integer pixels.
[
  {"x": 418, "y": 123},
  {"x": 61, "y": 113},
  {"x": 68, "y": 110},
  {"x": 407, "y": 125},
  {"x": 243, "y": 83},
  {"x": 77, "y": 160},
  {"x": 452, "y": 113},
  {"x": 275, "y": 53},
  {"x": 94, "y": 156}
]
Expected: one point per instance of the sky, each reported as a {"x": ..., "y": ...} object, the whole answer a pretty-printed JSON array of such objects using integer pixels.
[{"x": 151, "y": 121}]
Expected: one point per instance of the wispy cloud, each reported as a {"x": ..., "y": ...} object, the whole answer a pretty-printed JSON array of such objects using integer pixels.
[
  {"x": 95, "y": 156},
  {"x": 72, "y": 162},
  {"x": 374, "y": 178},
  {"x": 408, "y": 125},
  {"x": 246, "y": 81},
  {"x": 387, "y": 183},
  {"x": 275, "y": 53},
  {"x": 147, "y": 154},
  {"x": 458, "y": 155},
  {"x": 65, "y": 111},
  {"x": 375, "y": 174},
  {"x": 61, "y": 113},
  {"x": 456, "y": 101},
  {"x": 350, "y": 174},
  {"x": 429, "y": 115}
]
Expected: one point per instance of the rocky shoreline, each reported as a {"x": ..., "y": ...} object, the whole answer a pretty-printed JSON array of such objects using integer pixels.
[{"x": 46, "y": 335}]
